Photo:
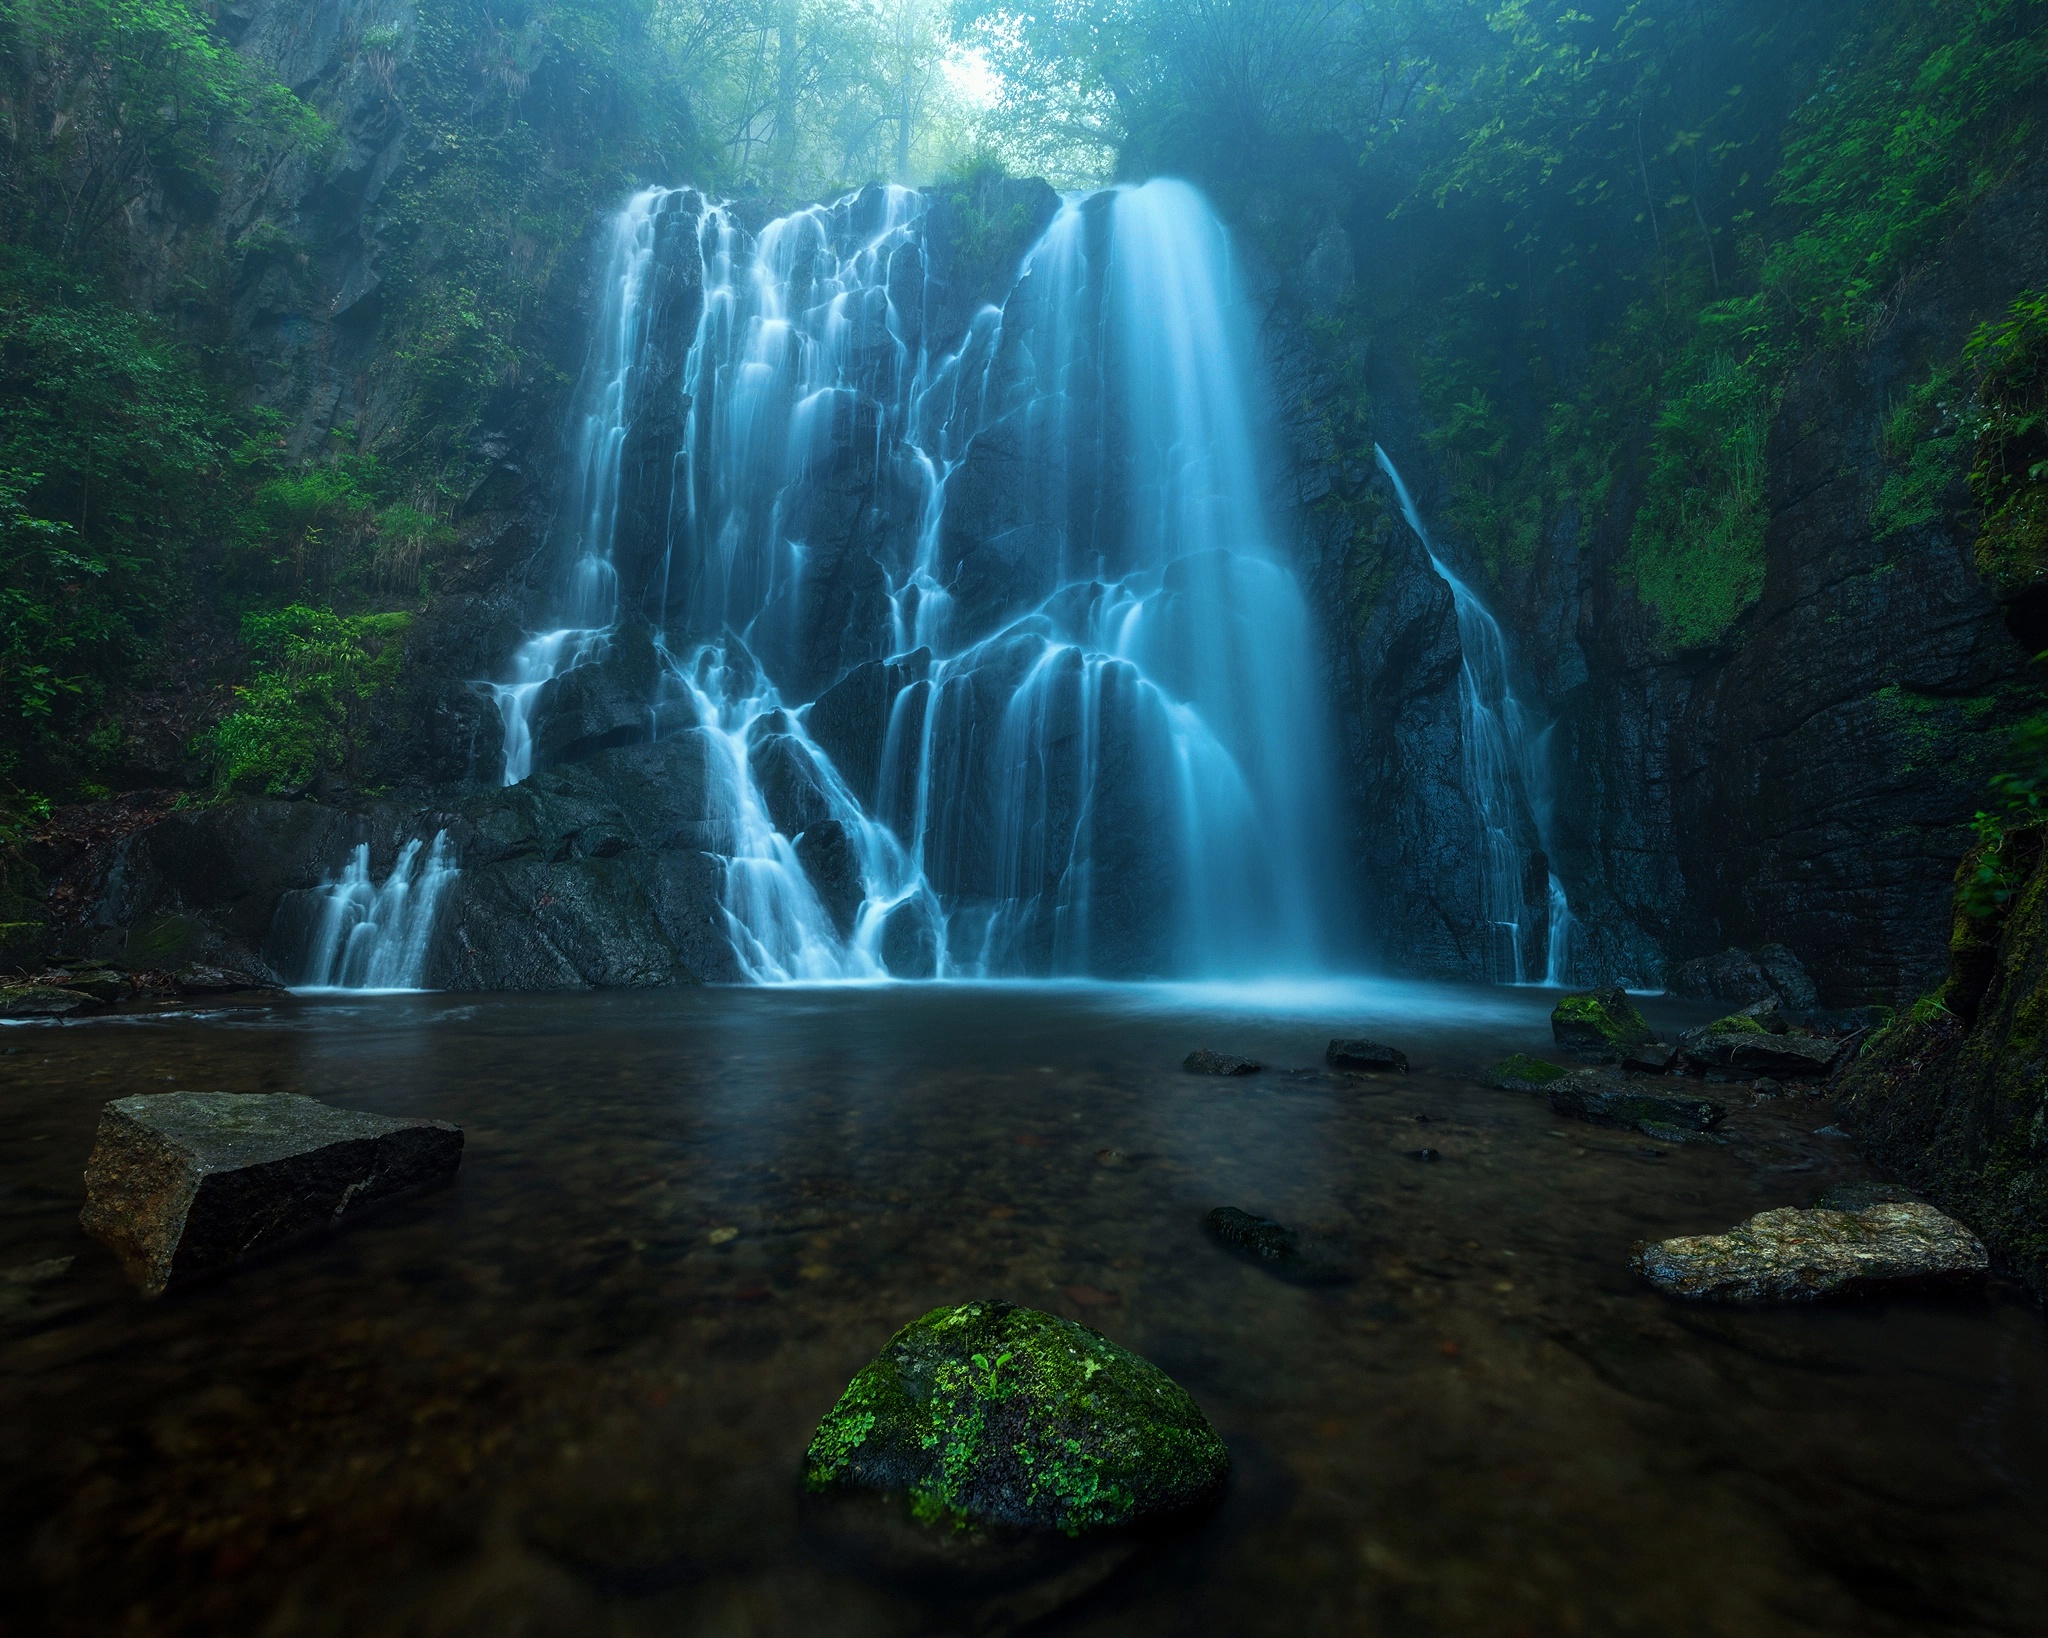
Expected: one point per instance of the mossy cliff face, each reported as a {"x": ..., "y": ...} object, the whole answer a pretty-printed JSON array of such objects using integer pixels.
[
  {"x": 1953, "y": 1098},
  {"x": 988, "y": 1414}
]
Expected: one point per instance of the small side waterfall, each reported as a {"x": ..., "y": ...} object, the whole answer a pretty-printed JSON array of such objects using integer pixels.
[
  {"x": 1507, "y": 775},
  {"x": 375, "y": 936},
  {"x": 1002, "y": 668}
]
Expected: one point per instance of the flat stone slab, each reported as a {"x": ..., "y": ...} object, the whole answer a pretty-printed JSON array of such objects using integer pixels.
[
  {"x": 1202, "y": 1061},
  {"x": 42, "y": 1001},
  {"x": 1606, "y": 1101},
  {"x": 1358, "y": 1053},
  {"x": 182, "y": 1184},
  {"x": 1790, "y": 1255},
  {"x": 1753, "y": 1052}
]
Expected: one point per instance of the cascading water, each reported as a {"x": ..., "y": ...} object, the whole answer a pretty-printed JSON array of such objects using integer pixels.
[
  {"x": 1507, "y": 775},
  {"x": 373, "y": 936},
  {"x": 1062, "y": 715}
]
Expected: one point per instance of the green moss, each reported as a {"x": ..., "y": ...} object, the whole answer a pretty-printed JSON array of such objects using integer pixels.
[
  {"x": 1520, "y": 1072},
  {"x": 1601, "y": 1021},
  {"x": 1926, "y": 453},
  {"x": 988, "y": 1414},
  {"x": 1738, "y": 1024},
  {"x": 2009, "y": 476}
]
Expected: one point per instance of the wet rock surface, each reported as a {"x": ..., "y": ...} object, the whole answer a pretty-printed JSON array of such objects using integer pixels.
[
  {"x": 1204, "y": 1062},
  {"x": 1521, "y": 1073},
  {"x": 1756, "y": 1051},
  {"x": 1608, "y": 1100},
  {"x": 988, "y": 1414},
  {"x": 184, "y": 1184},
  {"x": 1358, "y": 1054},
  {"x": 1604, "y": 1022},
  {"x": 1274, "y": 1246},
  {"x": 1788, "y": 1255}
]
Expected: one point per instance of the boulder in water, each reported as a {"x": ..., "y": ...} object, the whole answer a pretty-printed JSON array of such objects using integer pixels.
[
  {"x": 992, "y": 1415},
  {"x": 910, "y": 941},
  {"x": 826, "y": 852},
  {"x": 1789, "y": 1255},
  {"x": 1741, "y": 1046},
  {"x": 1274, "y": 1246},
  {"x": 1649, "y": 1057},
  {"x": 1608, "y": 1100},
  {"x": 43, "y": 1001},
  {"x": 1605, "y": 1021},
  {"x": 1204, "y": 1062},
  {"x": 182, "y": 1184},
  {"x": 1521, "y": 1073},
  {"x": 1359, "y": 1053}
]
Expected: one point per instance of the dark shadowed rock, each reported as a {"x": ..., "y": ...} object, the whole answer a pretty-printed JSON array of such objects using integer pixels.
[
  {"x": 1204, "y": 1062},
  {"x": 43, "y": 1001},
  {"x": 182, "y": 1184},
  {"x": 1789, "y": 1255},
  {"x": 1603, "y": 1021},
  {"x": 1608, "y": 1100},
  {"x": 1733, "y": 975},
  {"x": 910, "y": 941},
  {"x": 1360, "y": 1053},
  {"x": 1275, "y": 1247},
  {"x": 1787, "y": 978},
  {"x": 1649, "y": 1057},
  {"x": 827, "y": 853},
  {"x": 1753, "y": 1051},
  {"x": 993, "y": 1415}
]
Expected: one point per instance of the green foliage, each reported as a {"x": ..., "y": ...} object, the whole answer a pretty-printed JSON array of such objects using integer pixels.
[
  {"x": 315, "y": 676},
  {"x": 2009, "y": 475}
]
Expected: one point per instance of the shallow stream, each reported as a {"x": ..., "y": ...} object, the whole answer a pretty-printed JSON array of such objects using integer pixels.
[{"x": 569, "y": 1395}]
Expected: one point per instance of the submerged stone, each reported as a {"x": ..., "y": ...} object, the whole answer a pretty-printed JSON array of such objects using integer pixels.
[
  {"x": 1521, "y": 1073},
  {"x": 1363, "y": 1054},
  {"x": 1606, "y": 1100},
  {"x": 182, "y": 1184},
  {"x": 1274, "y": 1246},
  {"x": 1790, "y": 1255},
  {"x": 1204, "y": 1062},
  {"x": 1603, "y": 1021},
  {"x": 41, "y": 1001},
  {"x": 992, "y": 1415}
]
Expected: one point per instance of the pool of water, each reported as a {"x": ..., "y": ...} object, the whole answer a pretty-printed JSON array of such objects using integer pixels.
[{"x": 569, "y": 1395}]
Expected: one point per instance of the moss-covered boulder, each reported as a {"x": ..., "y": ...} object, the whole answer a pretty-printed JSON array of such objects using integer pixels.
[
  {"x": 1952, "y": 1097},
  {"x": 990, "y": 1414},
  {"x": 1521, "y": 1073},
  {"x": 1602, "y": 1021}
]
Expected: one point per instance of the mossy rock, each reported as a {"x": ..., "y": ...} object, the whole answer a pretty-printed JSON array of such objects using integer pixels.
[
  {"x": 993, "y": 1415},
  {"x": 1521, "y": 1073},
  {"x": 1737, "y": 1023},
  {"x": 1599, "y": 1021}
]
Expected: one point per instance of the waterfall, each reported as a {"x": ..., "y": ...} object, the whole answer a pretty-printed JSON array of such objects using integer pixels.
[
  {"x": 1003, "y": 669},
  {"x": 1507, "y": 776},
  {"x": 375, "y": 937}
]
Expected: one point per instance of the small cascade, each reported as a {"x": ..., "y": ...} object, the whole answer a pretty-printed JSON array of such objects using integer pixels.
[
  {"x": 373, "y": 936},
  {"x": 1003, "y": 668},
  {"x": 1507, "y": 775}
]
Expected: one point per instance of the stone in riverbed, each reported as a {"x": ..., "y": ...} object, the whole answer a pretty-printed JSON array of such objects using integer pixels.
[
  {"x": 1204, "y": 1062},
  {"x": 1750, "y": 1051},
  {"x": 1521, "y": 1073},
  {"x": 1359, "y": 1053},
  {"x": 182, "y": 1184},
  {"x": 994, "y": 1415},
  {"x": 1605, "y": 1100},
  {"x": 1603, "y": 1021},
  {"x": 1649, "y": 1058},
  {"x": 42, "y": 1001},
  {"x": 1789, "y": 1255},
  {"x": 1275, "y": 1247}
]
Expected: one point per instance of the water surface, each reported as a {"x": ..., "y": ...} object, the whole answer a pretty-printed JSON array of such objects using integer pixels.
[{"x": 570, "y": 1394}]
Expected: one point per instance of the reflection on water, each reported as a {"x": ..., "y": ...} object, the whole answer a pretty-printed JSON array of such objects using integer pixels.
[{"x": 569, "y": 1396}]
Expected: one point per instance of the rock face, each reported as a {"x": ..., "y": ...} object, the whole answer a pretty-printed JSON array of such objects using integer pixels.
[
  {"x": 1736, "y": 975},
  {"x": 1795, "y": 1256},
  {"x": 1601, "y": 1021},
  {"x": 1953, "y": 1097},
  {"x": 1363, "y": 1054},
  {"x": 182, "y": 1184},
  {"x": 1204, "y": 1062},
  {"x": 1606, "y": 1100},
  {"x": 994, "y": 1415}
]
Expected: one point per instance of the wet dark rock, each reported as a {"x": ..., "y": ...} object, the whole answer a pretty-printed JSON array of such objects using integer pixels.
[
  {"x": 199, "y": 979},
  {"x": 1764, "y": 1087},
  {"x": 829, "y": 858},
  {"x": 1275, "y": 1247},
  {"x": 1424, "y": 1154},
  {"x": 1608, "y": 1100},
  {"x": 910, "y": 941},
  {"x": 1601, "y": 1021},
  {"x": 43, "y": 1001},
  {"x": 1790, "y": 1255},
  {"x": 1773, "y": 973},
  {"x": 106, "y": 985},
  {"x": 990, "y": 1415},
  {"x": 1204, "y": 1062},
  {"x": 182, "y": 1184},
  {"x": 1789, "y": 980},
  {"x": 1752, "y": 1051},
  {"x": 1649, "y": 1058},
  {"x": 1521, "y": 1073},
  {"x": 1361, "y": 1054},
  {"x": 1867, "y": 1192}
]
